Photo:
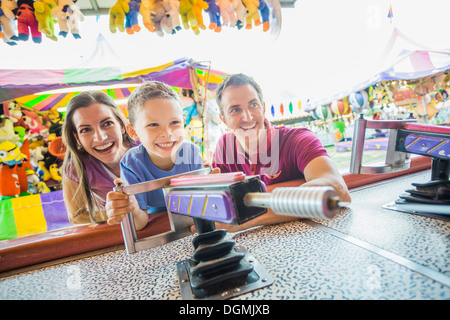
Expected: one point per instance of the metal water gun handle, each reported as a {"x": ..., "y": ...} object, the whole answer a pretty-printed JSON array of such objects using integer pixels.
[{"x": 395, "y": 160}]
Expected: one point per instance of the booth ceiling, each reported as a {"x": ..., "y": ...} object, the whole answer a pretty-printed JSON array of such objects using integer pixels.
[{"x": 101, "y": 7}]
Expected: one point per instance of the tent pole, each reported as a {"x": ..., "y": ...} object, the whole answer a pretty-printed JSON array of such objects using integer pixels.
[{"x": 423, "y": 99}]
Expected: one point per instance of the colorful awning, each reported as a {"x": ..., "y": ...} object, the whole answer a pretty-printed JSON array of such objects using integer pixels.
[{"x": 19, "y": 83}]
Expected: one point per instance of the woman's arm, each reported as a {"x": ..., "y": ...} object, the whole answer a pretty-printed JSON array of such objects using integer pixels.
[{"x": 76, "y": 205}]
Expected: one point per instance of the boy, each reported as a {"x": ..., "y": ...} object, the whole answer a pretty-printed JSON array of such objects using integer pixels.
[{"x": 156, "y": 120}]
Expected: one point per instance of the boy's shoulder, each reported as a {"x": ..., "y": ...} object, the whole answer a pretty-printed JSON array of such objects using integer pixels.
[{"x": 133, "y": 152}]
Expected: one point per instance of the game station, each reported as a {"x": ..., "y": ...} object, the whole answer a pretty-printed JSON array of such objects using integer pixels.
[{"x": 335, "y": 250}]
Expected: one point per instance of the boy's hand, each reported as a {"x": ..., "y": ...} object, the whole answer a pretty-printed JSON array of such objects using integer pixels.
[{"x": 118, "y": 204}]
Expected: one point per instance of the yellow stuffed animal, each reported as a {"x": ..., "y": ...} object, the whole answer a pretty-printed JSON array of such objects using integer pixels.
[
  {"x": 187, "y": 14},
  {"x": 145, "y": 10},
  {"x": 42, "y": 171},
  {"x": 42, "y": 187},
  {"x": 54, "y": 172},
  {"x": 117, "y": 15},
  {"x": 252, "y": 13},
  {"x": 43, "y": 13},
  {"x": 199, "y": 6}
]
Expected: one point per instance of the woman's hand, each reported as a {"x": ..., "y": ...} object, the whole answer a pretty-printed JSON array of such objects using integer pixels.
[{"x": 118, "y": 204}]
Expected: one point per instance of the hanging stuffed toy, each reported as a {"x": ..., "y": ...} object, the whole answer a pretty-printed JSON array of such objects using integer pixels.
[
  {"x": 241, "y": 12},
  {"x": 198, "y": 7},
  {"x": 174, "y": 15},
  {"x": 252, "y": 13},
  {"x": 1, "y": 14},
  {"x": 131, "y": 17},
  {"x": 117, "y": 15},
  {"x": 265, "y": 12},
  {"x": 26, "y": 21},
  {"x": 159, "y": 18},
  {"x": 68, "y": 15},
  {"x": 227, "y": 12},
  {"x": 187, "y": 14},
  {"x": 43, "y": 13},
  {"x": 7, "y": 21},
  {"x": 145, "y": 10},
  {"x": 214, "y": 16}
]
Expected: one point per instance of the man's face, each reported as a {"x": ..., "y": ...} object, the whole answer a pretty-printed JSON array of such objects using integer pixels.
[{"x": 243, "y": 114}]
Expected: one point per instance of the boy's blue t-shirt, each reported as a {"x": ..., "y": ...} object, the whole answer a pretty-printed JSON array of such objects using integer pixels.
[{"x": 136, "y": 167}]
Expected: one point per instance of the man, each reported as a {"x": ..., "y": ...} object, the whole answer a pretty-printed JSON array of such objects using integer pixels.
[{"x": 277, "y": 154}]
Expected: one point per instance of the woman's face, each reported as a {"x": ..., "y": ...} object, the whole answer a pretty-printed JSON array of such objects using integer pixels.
[{"x": 99, "y": 132}]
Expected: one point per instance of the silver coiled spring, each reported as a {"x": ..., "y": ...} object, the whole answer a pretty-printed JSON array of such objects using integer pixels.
[{"x": 302, "y": 202}]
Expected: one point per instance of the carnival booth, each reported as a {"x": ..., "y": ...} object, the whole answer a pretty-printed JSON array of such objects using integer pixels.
[
  {"x": 408, "y": 80},
  {"x": 32, "y": 116}
]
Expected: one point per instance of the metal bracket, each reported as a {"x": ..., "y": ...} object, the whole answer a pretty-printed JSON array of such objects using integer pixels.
[{"x": 394, "y": 161}]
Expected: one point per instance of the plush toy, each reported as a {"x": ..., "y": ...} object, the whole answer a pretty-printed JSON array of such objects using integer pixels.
[
  {"x": 54, "y": 172},
  {"x": 31, "y": 119},
  {"x": 252, "y": 13},
  {"x": 11, "y": 155},
  {"x": 265, "y": 12},
  {"x": 214, "y": 16},
  {"x": 7, "y": 21},
  {"x": 68, "y": 15},
  {"x": 145, "y": 10},
  {"x": 187, "y": 14},
  {"x": 42, "y": 187},
  {"x": 56, "y": 120},
  {"x": 199, "y": 6},
  {"x": 7, "y": 132},
  {"x": 131, "y": 17},
  {"x": 42, "y": 171},
  {"x": 117, "y": 15},
  {"x": 159, "y": 17},
  {"x": 174, "y": 15},
  {"x": 36, "y": 155},
  {"x": 43, "y": 13},
  {"x": 26, "y": 21},
  {"x": 227, "y": 12},
  {"x": 9, "y": 182},
  {"x": 1, "y": 14},
  {"x": 241, "y": 12}
]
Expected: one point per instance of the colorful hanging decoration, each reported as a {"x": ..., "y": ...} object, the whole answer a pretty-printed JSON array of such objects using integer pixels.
[
  {"x": 390, "y": 13},
  {"x": 291, "y": 109},
  {"x": 322, "y": 113},
  {"x": 358, "y": 100},
  {"x": 299, "y": 106},
  {"x": 282, "y": 109},
  {"x": 339, "y": 108}
]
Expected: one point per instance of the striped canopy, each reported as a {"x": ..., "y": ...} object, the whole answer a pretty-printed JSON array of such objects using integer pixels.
[
  {"x": 15, "y": 83},
  {"x": 44, "y": 102}
]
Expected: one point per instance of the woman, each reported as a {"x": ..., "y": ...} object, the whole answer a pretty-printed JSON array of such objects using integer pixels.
[{"x": 94, "y": 132}]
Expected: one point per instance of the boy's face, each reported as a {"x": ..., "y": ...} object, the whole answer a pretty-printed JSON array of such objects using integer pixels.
[
  {"x": 243, "y": 113},
  {"x": 160, "y": 128}
]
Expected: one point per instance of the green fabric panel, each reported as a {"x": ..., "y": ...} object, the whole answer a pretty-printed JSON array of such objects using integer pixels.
[
  {"x": 91, "y": 75},
  {"x": 7, "y": 222}
]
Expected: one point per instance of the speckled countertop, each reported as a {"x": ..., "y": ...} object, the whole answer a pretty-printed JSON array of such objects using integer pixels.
[{"x": 366, "y": 252}]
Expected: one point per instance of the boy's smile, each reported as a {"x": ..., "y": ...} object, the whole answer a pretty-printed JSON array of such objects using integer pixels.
[{"x": 160, "y": 128}]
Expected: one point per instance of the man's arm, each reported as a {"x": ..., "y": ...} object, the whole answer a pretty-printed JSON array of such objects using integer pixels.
[{"x": 321, "y": 171}]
